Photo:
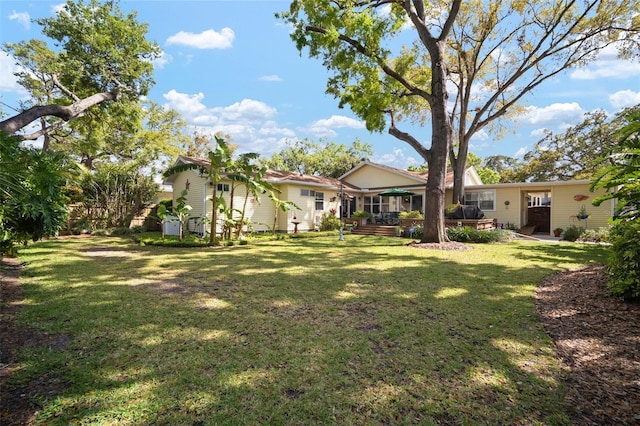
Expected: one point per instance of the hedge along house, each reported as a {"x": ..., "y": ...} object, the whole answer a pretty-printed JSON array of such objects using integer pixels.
[
  {"x": 541, "y": 206},
  {"x": 315, "y": 195}
]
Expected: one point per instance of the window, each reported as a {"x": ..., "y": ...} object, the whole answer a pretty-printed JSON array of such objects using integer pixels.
[
  {"x": 319, "y": 200},
  {"x": 375, "y": 204},
  {"x": 485, "y": 200},
  {"x": 223, "y": 187},
  {"x": 304, "y": 192}
]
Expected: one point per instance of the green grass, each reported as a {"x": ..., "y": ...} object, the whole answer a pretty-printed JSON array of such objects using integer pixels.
[{"x": 302, "y": 331}]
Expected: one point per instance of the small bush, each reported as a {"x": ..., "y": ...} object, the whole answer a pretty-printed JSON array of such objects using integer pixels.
[
  {"x": 572, "y": 233},
  {"x": 329, "y": 222},
  {"x": 122, "y": 231},
  {"x": 510, "y": 226},
  {"x": 600, "y": 235},
  {"x": 413, "y": 214},
  {"x": 623, "y": 266}
]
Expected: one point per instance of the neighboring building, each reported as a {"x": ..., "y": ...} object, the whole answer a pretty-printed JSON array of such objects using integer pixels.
[{"x": 546, "y": 205}]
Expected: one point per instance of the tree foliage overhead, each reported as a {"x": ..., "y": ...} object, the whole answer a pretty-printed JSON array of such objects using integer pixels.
[
  {"x": 500, "y": 51},
  {"x": 319, "y": 158},
  {"x": 100, "y": 55}
]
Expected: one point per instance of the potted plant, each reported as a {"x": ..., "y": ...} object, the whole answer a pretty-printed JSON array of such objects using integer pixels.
[
  {"x": 362, "y": 216},
  {"x": 582, "y": 213},
  {"x": 557, "y": 232}
]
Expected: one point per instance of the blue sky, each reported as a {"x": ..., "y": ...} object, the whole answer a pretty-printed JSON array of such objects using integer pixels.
[{"x": 230, "y": 66}]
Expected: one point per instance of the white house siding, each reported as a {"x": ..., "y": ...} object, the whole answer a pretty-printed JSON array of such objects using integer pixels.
[{"x": 196, "y": 194}]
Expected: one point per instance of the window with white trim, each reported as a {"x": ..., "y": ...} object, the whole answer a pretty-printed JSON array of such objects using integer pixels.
[
  {"x": 319, "y": 200},
  {"x": 485, "y": 200},
  {"x": 223, "y": 187}
]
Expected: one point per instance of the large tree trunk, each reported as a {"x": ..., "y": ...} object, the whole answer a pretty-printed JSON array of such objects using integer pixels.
[
  {"x": 441, "y": 133},
  {"x": 459, "y": 164}
]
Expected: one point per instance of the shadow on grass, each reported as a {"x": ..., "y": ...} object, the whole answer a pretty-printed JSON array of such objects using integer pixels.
[{"x": 299, "y": 331}]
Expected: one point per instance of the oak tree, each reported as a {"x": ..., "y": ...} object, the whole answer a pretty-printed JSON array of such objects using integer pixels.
[
  {"x": 492, "y": 52},
  {"x": 101, "y": 56}
]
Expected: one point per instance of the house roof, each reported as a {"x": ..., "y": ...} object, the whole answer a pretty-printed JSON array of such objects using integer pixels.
[
  {"x": 276, "y": 176},
  {"x": 282, "y": 177},
  {"x": 419, "y": 177}
]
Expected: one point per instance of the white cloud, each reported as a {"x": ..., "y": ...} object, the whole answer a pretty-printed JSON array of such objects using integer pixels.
[
  {"x": 22, "y": 17},
  {"x": 8, "y": 82},
  {"x": 520, "y": 152},
  {"x": 208, "y": 39},
  {"x": 57, "y": 8},
  {"x": 247, "y": 110},
  {"x": 271, "y": 128},
  {"x": 555, "y": 114},
  {"x": 624, "y": 98},
  {"x": 270, "y": 78},
  {"x": 162, "y": 60},
  {"x": 187, "y": 105},
  {"x": 325, "y": 128},
  {"x": 248, "y": 122},
  {"x": 608, "y": 65}
]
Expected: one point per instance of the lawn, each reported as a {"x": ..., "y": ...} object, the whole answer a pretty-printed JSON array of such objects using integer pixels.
[{"x": 304, "y": 331}]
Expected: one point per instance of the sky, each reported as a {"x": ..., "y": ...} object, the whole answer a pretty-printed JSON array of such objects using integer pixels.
[{"x": 231, "y": 66}]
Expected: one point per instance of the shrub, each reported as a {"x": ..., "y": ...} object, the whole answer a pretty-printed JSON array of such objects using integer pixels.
[
  {"x": 413, "y": 214},
  {"x": 600, "y": 235},
  {"x": 466, "y": 234},
  {"x": 623, "y": 266},
  {"x": 572, "y": 233},
  {"x": 329, "y": 222},
  {"x": 361, "y": 213}
]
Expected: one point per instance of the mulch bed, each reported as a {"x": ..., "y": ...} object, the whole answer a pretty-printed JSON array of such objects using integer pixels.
[{"x": 596, "y": 337}]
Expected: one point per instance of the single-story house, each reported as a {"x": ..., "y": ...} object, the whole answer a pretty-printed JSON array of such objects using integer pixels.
[{"x": 545, "y": 205}]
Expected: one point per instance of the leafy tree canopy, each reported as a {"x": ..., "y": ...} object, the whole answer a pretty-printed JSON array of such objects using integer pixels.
[
  {"x": 100, "y": 55},
  {"x": 319, "y": 158},
  {"x": 574, "y": 154}
]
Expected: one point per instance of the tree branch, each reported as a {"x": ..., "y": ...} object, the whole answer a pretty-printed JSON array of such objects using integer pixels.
[
  {"x": 406, "y": 137},
  {"x": 387, "y": 70},
  {"x": 66, "y": 113}
]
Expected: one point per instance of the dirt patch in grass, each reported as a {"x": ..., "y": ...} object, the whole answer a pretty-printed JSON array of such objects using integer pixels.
[
  {"x": 450, "y": 245},
  {"x": 598, "y": 340}
]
